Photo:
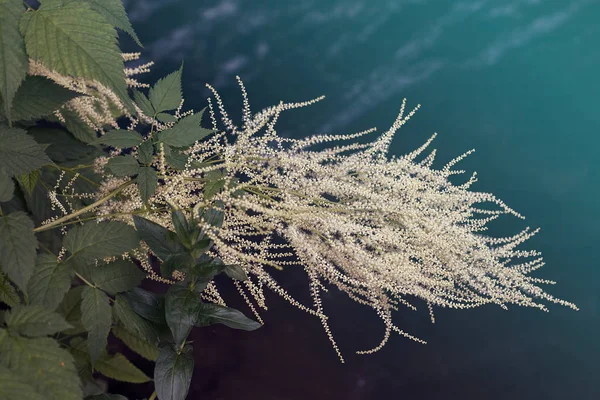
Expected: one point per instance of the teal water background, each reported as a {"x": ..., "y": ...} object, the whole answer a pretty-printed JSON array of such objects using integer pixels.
[{"x": 515, "y": 79}]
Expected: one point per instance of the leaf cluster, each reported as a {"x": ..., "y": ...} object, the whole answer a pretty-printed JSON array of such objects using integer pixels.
[{"x": 70, "y": 290}]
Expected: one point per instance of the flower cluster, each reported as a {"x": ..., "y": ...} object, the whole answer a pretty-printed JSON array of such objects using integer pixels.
[{"x": 384, "y": 230}]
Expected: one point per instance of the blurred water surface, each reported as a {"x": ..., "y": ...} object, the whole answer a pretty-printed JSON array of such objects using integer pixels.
[{"x": 515, "y": 79}]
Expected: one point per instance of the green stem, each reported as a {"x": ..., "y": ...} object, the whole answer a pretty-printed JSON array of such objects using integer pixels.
[
  {"x": 84, "y": 209},
  {"x": 153, "y": 396}
]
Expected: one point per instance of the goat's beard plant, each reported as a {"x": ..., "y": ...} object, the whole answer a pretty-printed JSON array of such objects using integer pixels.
[{"x": 385, "y": 231}]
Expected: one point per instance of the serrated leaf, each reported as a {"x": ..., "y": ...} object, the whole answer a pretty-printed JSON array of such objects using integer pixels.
[
  {"x": 143, "y": 103},
  {"x": 13, "y": 60},
  {"x": 98, "y": 240},
  {"x": 96, "y": 318},
  {"x": 19, "y": 153},
  {"x": 50, "y": 281},
  {"x": 173, "y": 372},
  {"x": 37, "y": 97},
  {"x": 216, "y": 314},
  {"x": 148, "y": 305},
  {"x": 17, "y": 247},
  {"x": 175, "y": 158},
  {"x": 212, "y": 216},
  {"x": 79, "y": 129},
  {"x": 162, "y": 242},
  {"x": 62, "y": 146},
  {"x": 136, "y": 343},
  {"x": 121, "y": 138},
  {"x": 182, "y": 305},
  {"x": 8, "y": 294},
  {"x": 115, "y": 14},
  {"x": 72, "y": 39},
  {"x": 145, "y": 152},
  {"x": 50, "y": 370},
  {"x": 7, "y": 186},
  {"x": 28, "y": 181},
  {"x": 147, "y": 180},
  {"x": 214, "y": 185},
  {"x": 118, "y": 367},
  {"x": 35, "y": 321},
  {"x": 164, "y": 117},
  {"x": 185, "y": 132},
  {"x": 166, "y": 93},
  {"x": 134, "y": 323},
  {"x": 70, "y": 308},
  {"x": 15, "y": 386},
  {"x": 117, "y": 276},
  {"x": 123, "y": 166}
]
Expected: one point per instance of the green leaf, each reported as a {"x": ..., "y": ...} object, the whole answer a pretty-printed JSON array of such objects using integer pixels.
[
  {"x": 91, "y": 241},
  {"x": 118, "y": 367},
  {"x": 19, "y": 153},
  {"x": 117, "y": 276},
  {"x": 37, "y": 97},
  {"x": 185, "y": 132},
  {"x": 96, "y": 318},
  {"x": 121, "y": 138},
  {"x": 123, "y": 166},
  {"x": 62, "y": 146},
  {"x": 173, "y": 372},
  {"x": 13, "y": 60},
  {"x": 143, "y": 103},
  {"x": 8, "y": 294},
  {"x": 115, "y": 14},
  {"x": 145, "y": 152},
  {"x": 175, "y": 158},
  {"x": 147, "y": 180},
  {"x": 28, "y": 181},
  {"x": 70, "y": 308},
  {"x": 178, "y": 261},
  {"x": 134, "y": 323},
  {"x": 77, "y": 127},
  {"x": 15, "y": 386},
  {"x": 212, "y": 216},
  {"x": 35, "y": 321},
  {"x": 166, "y": 93},
  {"x": 182, "y": 305},
  {"x": 180, "y": 223},
  {"x": 214, "y": 185},
  {"x": 7, "y": 186},
  {"x": 49, "y": 369},
  {"x": 164, "y": 117},
  {"x": 149, "y": 305},
  {"x": 72, "y": 39},
  {"x": 236, "y": 272},
  {"x": 136, "y": 343},
  {"x": 50, "y": 281},
  {"x": 216, "y": 314},
  {"x": 162, "y": 242},
  {"x": 17, "y": 247}
]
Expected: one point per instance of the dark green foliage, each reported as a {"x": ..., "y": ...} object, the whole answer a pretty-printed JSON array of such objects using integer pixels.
[
  {"x": 19, "y": 153},
  {"x": 173, "y": 372},
  {"x": 13, "y": 59},
  {"x": 68, "y": 282},
  {"x": 121, "y": 138},
  {"x": 123, "y": 166},
  {"x": 38, "y": 97},
  {"x": 185, "y": 132}
]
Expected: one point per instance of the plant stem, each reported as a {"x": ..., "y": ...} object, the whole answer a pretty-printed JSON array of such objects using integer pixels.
[
  {"x": 152, "y": 396},
  {"x": 84, "y": 209}
]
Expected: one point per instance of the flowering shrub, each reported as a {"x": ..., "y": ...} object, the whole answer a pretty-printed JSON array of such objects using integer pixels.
[{"x": 104, "y": 183}]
